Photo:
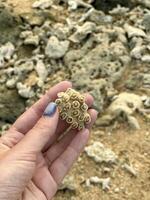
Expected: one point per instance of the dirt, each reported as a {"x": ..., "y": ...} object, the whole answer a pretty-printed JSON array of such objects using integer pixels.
[{"x": 132, "y": 147}]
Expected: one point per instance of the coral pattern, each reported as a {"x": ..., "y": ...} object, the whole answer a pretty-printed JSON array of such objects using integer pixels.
[{"x": 73, "y": 109}]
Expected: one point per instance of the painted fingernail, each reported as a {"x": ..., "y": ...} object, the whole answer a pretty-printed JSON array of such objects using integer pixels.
[{"x": 50, "y": 109}]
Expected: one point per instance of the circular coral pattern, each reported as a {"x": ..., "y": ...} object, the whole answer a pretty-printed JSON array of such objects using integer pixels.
[{"x": 73, "y": 109}]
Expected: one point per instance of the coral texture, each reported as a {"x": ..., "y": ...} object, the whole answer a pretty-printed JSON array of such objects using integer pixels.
[{"x": 73, "y": 109}]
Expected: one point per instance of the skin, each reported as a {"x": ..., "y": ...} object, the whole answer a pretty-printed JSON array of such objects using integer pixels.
[{"x": 33, "y": 162}]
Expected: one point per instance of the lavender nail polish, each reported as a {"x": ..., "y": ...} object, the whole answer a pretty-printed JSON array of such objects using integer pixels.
[{"x": 50, "y": 109}]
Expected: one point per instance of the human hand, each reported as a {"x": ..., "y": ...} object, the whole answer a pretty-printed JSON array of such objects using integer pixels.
[{"x": 32, "y": 160}]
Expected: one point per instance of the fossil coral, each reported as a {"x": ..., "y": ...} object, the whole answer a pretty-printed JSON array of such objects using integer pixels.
[
  {"x": 73, "y": 109},
  {"x": 56, "y": 49},
  {"x": 42, "y": 4}
]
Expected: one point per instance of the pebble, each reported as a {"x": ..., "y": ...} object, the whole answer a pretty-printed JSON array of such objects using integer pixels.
[
  {"x": 99, "y": 153},
  {"x": 42, "y": 4},
  {"x": 130, "y": 169},
  {"x": 56, "y": 49},
  {"x": 105, "y": 182}
]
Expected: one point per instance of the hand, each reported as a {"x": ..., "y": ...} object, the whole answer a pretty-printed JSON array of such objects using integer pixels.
[{"x": 32, "y": 160}]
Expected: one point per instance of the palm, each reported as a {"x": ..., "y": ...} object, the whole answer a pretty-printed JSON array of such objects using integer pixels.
[{"x": 37, "y": 173}]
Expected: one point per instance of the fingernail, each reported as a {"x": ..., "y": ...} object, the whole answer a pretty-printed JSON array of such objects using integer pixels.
[{"x": 50, "y": 109}]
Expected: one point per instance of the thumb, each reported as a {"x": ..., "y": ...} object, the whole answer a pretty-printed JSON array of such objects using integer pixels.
[{"x": 40, "y": 134}]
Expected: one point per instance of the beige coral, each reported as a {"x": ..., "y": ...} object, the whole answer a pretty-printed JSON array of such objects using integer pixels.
[{"x": 73, "y": 109}]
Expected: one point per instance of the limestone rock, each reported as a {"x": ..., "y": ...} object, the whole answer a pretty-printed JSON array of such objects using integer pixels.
[
  {"x": 105, "y": 182},
  {"x": 133, "y": 31},
  {"x": 42, "y": 4},
  {"x": 24, "y": 91},
  {"x": 82, "y": 32},
  {"x": 68, "y": 183},
  {"x": 74, "y": 4},
  {"x": 56, "y": 49},
  {"x": 124, "y": 105},
  {"x": 99, "y": 153},
  {"x": 41, "y": 70},
  {"x": 6, "y": 52}
]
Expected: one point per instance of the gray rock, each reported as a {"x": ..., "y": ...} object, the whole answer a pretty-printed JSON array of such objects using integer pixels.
[
  {"x": 56, "y": 49},
  {"x": 105, "y": 182},
  {"x": 24, "y": 91},
  {"x": 42, "y": 4},
  {"x": 134, "y": 32},
  {"x": 6, "y": 52},
  {"x": 68, "y": 183},
  {"x": 74, "y": 4},
  {"x": 130, "y": 169},
  {"x": 146, "y": 22},
  {"x": 99, "y": 153},
  {"x": 82, "y": 32},
  {"x": 41, "y": 70},
  {"x": 146, "y": 58}
]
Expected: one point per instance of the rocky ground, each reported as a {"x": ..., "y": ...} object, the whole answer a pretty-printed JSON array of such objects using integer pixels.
[{"x": 103, "y": 47}]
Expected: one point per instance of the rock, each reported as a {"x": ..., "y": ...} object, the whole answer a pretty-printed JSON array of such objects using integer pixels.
[
  {"x": 146, "y": 80},
  {"x": 56, "y": 49},
  {"x": 61, "y": 31},
  {"x": 119, "y": 10},
  {"x": 137, "y": 52},
  {"x": 96, "y": 180},
  {"x": 11, "y": 104},
  {"x": 130, "y": 169},
  {"x": 6, "y": 53},
  {"x": 146, "y": 58},
  {"x": 133, "y": 123},
  {"x": 133, "y": 31},
  {"x": 147, "y": 102},
  {"x": 11, "y": 83},
  {"x": 41, "y": 70},
  {"x": 24, "y": 91},
  {"x": 99, "y": 153},
  {"x": 32, "y": 40},
  {"x": 74, "y": 4},
  {"x": 82, "y": 32},
  {"x": 124, "y": 105},
  {"x": 146, "y": 22},
  {"x": 42, "y": 4},
  {"x": 68, "y": 183}
]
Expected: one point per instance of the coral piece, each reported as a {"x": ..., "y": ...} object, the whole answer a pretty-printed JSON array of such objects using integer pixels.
[
  {"x": 6, "y": 52},
  {"x": 82, "y": 32},
  {"x": 133, "y": 31},
  {"x": 42, "y": 4},
  {"x": 56, "y": 49},
  {"x": 73, "y": 109},
  {"x": 125, "y": 105},
  {"x": 68, "y": 183},
  {"x": 99, "y": 153},
  {"x": 105, "y": 182}
]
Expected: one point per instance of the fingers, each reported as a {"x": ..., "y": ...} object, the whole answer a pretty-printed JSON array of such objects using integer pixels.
[
  {"x": 38, "y": 136},
  {"x": 57, "y": 149},
  {"x": 62, "y": 125},
  {"x": 28, "y": 119},
  {"x": 62, "y": 164}
]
